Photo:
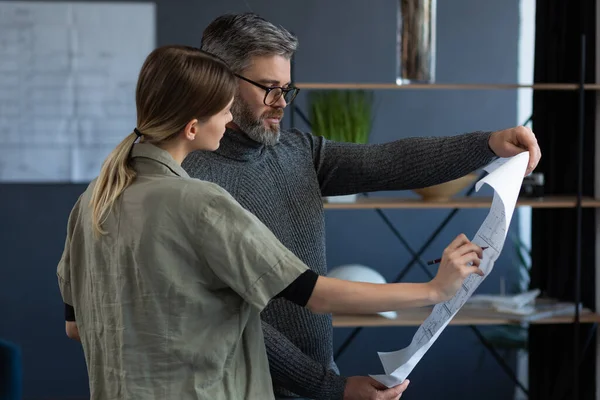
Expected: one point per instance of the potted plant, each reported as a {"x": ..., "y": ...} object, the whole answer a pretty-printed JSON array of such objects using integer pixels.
[{"x": 342, "y": 116}]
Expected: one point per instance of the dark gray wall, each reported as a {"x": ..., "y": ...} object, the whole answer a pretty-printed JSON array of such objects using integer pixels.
[{"x": 340, "y": 41}]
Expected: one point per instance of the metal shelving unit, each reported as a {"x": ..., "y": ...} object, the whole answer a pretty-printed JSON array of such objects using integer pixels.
[{"x": 577, "y": 202}]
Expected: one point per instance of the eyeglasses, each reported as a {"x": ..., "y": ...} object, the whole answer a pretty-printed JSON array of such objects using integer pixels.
[{"x": 274, "y": 93}]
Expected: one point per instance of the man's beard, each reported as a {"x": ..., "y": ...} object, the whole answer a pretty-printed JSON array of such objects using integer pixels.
[{"x": 255, "y": 129}]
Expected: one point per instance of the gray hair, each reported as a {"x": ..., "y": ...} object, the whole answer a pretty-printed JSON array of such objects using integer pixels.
[{"x": 236, "y": 38}]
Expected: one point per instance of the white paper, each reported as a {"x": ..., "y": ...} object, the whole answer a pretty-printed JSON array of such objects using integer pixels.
[
  {"x": 68, "y": 73},
  {"x": 505, "y": 176}
]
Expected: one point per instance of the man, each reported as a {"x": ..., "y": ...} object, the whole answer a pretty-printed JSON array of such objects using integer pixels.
[{"x": 280, "y": 176}]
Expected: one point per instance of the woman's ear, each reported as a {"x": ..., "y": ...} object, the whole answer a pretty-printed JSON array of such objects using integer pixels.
[{"x": 191, "y": 130}]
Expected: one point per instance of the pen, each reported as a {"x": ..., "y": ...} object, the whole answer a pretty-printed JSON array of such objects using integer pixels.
[{"x": 438, "y": 260}]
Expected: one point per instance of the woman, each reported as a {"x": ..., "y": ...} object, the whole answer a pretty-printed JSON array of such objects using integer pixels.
[{"x": 168, "y": 274}]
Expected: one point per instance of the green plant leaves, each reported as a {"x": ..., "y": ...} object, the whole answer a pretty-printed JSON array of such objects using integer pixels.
[{"x": 342, "y": 115}]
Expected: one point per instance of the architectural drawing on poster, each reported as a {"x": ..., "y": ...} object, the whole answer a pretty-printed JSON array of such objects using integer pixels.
[{"x": 68, "y": 73}]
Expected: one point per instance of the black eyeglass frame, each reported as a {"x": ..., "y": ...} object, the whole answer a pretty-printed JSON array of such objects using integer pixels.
[{"x": 269, "y": 89}]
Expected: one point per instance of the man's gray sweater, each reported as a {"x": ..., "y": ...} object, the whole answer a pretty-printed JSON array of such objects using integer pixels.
[{"x": 283, "y": 186}]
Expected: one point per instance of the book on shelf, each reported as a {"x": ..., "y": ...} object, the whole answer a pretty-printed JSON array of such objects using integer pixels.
[{"x": 540, "y": 308}]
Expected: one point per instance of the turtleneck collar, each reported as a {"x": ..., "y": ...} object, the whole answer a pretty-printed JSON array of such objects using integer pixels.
[{"x": 238, "y": 146}]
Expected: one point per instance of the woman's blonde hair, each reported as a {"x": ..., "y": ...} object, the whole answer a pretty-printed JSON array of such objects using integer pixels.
[{"x": 176, "y": 85}]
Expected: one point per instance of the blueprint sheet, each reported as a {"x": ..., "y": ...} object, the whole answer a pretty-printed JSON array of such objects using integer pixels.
[
  {"x": 505, "y": 176},
  {"x": 68, "y": 72}
]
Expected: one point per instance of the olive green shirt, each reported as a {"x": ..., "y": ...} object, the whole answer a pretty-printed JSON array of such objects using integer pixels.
[{"x": 168, "y": 301}]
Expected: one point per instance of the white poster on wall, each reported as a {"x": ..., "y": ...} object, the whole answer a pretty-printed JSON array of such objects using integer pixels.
[{"x": 68, "y": 73}]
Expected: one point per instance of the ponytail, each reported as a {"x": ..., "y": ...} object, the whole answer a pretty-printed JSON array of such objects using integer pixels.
[{"x": 115, "y": 176}]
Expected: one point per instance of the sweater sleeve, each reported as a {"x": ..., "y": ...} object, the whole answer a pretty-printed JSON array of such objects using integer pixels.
[
  {"x": 294, "y": 370},
  {"x": 347, "y": 168}
]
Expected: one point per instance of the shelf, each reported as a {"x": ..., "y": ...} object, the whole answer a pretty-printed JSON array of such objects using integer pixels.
[
  {"x": 450, "y": 86},
  {"x": 415, "y": 317},
  {"x": 461, "y": 202}
]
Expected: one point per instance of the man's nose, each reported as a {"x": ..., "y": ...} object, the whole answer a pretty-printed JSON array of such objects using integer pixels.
[{"x": 280, "y": 103}]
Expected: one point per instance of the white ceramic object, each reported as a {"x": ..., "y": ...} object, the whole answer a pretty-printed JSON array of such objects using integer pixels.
[{"x": 360, "y": 273}]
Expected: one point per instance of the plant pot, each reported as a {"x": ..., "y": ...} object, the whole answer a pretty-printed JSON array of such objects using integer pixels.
[{"x": 348, "y": 198}]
